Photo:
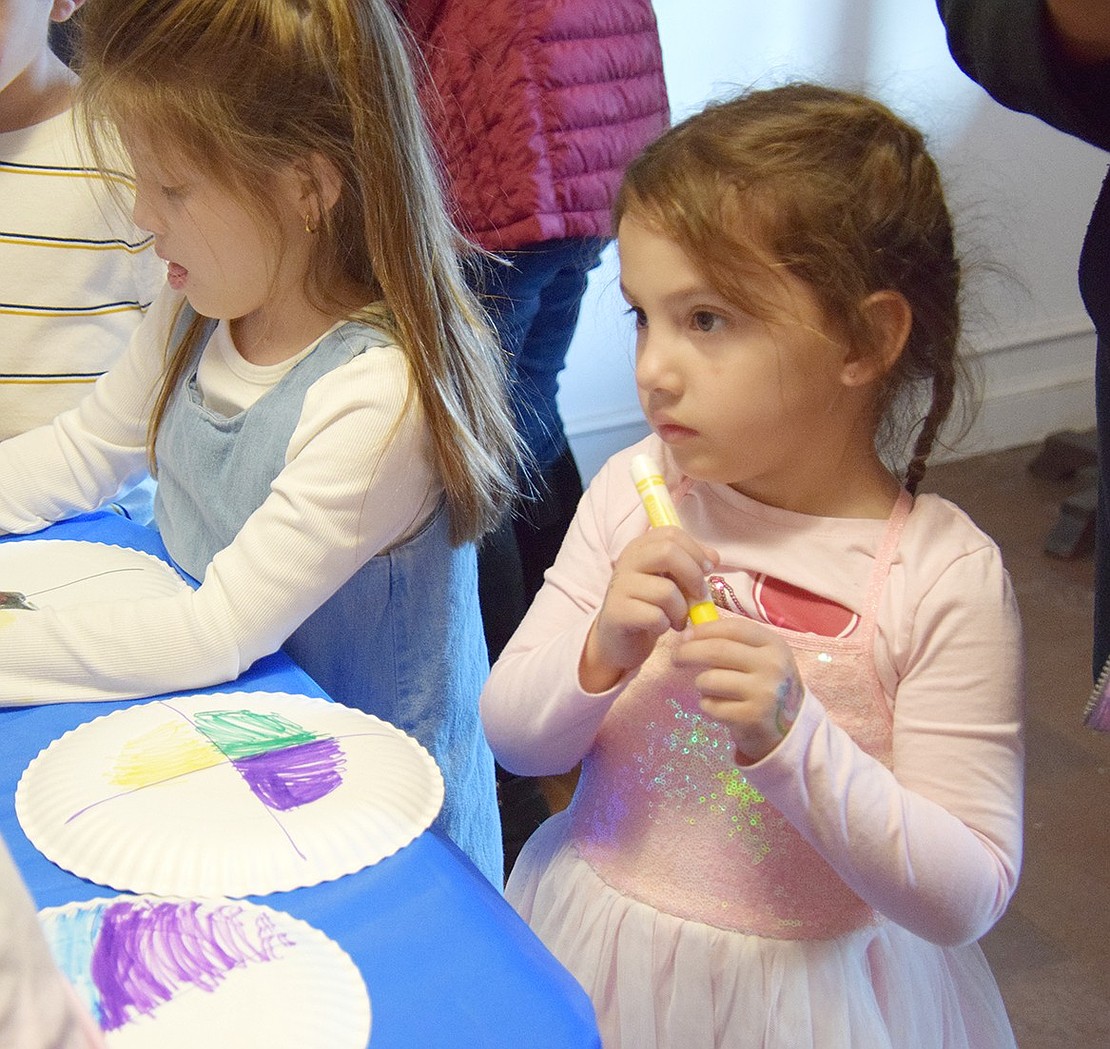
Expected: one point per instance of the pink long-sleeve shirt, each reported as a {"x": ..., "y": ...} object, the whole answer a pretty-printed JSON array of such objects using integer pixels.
[{"x": 933, "y": 843}]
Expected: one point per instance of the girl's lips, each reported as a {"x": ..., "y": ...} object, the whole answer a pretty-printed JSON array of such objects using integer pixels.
[
  {"x": 176, "y": 275},
  {"x": 671, "y": 432}
]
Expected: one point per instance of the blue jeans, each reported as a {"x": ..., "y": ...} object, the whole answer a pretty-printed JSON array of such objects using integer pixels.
[{"x": 534, "y": 306}]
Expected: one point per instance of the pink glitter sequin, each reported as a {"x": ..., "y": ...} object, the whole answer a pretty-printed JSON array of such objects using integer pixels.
[{"x": 663, "y": 813}]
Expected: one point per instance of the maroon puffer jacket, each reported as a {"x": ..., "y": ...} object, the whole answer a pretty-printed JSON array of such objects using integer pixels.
[{"x": 537, "y": 106}]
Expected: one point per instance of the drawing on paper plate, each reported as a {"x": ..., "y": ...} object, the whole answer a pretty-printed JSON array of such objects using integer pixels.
[
  {"x": 283, "y": 763},
  {"x": 61, "y": 573},
  {"x": 232, "y": 794},
  {"x": 169, "y": 972}
]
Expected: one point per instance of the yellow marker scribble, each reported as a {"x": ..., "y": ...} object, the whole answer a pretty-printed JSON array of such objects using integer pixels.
[
  {"x": 7, "y": 618},
  {"x": 170, "y": 750}
]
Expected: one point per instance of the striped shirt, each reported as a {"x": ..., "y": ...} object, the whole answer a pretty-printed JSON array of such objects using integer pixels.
[{"x": 76, "y": 274}]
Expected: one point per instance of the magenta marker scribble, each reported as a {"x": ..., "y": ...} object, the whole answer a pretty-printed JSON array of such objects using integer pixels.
[
  {"x": 148, "y": 952},
  {"x": 292, "y": 776}
]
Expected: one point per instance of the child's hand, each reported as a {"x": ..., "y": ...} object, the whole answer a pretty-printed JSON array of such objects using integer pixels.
[
  {"x": 748, "y": 680},
  {"x": 654, "y": 581}
]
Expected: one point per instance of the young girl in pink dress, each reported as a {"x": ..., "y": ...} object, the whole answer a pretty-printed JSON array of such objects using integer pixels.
[{"x": 794, "y": 822}]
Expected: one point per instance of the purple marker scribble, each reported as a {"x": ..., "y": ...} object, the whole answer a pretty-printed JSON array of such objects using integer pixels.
[
  {"x": 146, "y": 953},
  {"x": 283, "y": 779},
  {"x": 283, "y": 763}
]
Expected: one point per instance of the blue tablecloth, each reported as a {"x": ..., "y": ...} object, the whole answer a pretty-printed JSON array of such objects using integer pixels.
[{"x": 446, "y": 961}]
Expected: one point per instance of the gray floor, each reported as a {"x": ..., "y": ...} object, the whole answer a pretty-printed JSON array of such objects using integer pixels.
[{"x": 1051, "y": 951}]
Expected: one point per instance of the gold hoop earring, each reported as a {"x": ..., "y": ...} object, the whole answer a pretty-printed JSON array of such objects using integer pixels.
[{"x": 309, "y": 225}]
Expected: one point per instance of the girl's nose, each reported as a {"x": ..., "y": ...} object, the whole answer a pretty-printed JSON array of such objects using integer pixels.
[
  {"x": 656, "y": 363},
  {"x": 143, "y": 215}
]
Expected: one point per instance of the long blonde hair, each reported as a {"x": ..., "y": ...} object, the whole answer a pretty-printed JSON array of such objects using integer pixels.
[
  {"x": 842, "y": 193},
  {"x": 241, "y": 88}
]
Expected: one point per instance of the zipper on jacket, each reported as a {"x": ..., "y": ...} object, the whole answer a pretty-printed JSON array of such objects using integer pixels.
[{"x": 1096, "y": 715}]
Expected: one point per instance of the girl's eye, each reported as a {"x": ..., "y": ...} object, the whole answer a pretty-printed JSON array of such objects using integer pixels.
[
  {"x": 638, "y": 315},
  {"x": 706, "y": 320}
]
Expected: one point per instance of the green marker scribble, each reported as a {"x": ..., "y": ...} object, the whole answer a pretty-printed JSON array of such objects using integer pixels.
[{"x": 246, "y": 733}]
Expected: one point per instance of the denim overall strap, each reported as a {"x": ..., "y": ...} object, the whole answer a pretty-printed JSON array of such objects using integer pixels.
[
  {"x": 401, "y": 639},
  {"x": 214, "y": 471}
]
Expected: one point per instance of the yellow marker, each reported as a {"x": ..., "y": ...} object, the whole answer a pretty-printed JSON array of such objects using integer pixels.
[{"x": 661, "y": 512}]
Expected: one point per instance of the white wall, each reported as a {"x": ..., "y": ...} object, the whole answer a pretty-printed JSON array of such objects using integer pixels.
[{"x": 1020, "y": 191}]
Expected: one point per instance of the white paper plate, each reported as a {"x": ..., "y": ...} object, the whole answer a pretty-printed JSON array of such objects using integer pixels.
[
  {"x": 60, "y": 573},
  {"x": 232, "y": 794},
  {"x": 170, "y": 974}
]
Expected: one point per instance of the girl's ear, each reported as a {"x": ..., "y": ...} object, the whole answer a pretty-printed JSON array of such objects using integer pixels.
[
  {"x": 319, "y": 186},
  {"x": 888, "y": 317},
  {"x": 61, "y": 10}
]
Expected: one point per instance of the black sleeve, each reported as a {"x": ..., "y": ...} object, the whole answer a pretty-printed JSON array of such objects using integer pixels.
[{"x": 1010, "y": 49}]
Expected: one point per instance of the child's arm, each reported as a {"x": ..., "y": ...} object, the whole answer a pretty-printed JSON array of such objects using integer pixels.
[
  {"x": 88, "y": 453},
  {"x": 609, "y": 596},
  {"x": 357, "y": 478},
  {"x": 935, "y": 843}
]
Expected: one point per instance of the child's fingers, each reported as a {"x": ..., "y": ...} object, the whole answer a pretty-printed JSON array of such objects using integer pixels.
[
  {"x": 672, "y": 553},
  {"x": 747, "y": 679},
  {"x": 706, "y": 556},
  {"x": 757, "y": 717},
  {"x": 637, "y": 610},
  {"x": 742, "y": 668},
  {"x": 655, "y": 580},
  {"x": 732, "y": 643},
  {"x": 758, "y": 712},
  {"x": 735, "y": 629},
  {"x": 640, "y": 600}
]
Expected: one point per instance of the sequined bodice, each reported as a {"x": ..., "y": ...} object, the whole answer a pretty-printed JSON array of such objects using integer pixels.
[{"x": 664, "y": 814}]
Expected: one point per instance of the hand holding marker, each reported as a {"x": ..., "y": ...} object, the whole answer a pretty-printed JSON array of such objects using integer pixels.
[{"x": 661, "y": 512}]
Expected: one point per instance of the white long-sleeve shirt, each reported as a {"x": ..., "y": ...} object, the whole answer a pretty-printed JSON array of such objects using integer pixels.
[
  {"x": 358, "y": 478},
  {"x": 935, "y": 842}
]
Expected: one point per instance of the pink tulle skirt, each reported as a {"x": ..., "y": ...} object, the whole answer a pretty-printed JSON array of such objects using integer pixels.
[{"x": 661, "y": 982}]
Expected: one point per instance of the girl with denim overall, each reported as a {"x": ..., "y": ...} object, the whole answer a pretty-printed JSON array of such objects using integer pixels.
[
  {"x": 415, "y": 654},
  {"x": 794, "y": 821},
  {"x": 315, "y": 388}
]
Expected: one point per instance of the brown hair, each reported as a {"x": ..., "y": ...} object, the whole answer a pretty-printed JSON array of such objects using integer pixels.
[
  {"x": 840, "y": 192},
  {"x": 241, "y": 88}
]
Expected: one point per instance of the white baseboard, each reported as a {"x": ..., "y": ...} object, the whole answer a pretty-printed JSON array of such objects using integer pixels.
[{"x": 1031, "y": 388}]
